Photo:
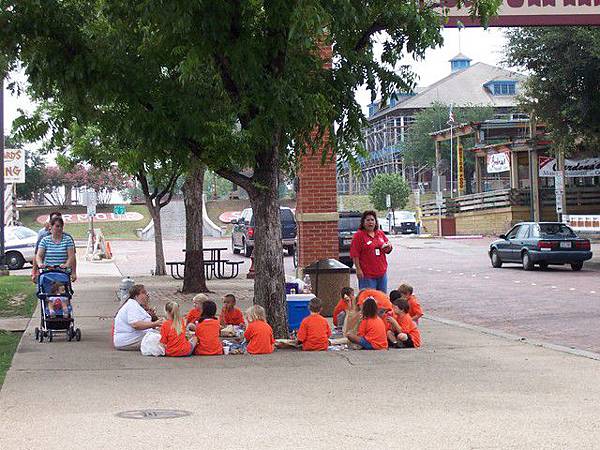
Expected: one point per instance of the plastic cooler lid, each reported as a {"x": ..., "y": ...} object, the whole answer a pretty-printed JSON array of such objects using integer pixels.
[{"x": 299, "y": 297}]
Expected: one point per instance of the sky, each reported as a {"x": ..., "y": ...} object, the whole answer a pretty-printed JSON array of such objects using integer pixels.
[{"x": 478, "y": 44}]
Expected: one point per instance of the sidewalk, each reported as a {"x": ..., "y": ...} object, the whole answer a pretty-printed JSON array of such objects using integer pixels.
[{"x": 463, "y": 389}]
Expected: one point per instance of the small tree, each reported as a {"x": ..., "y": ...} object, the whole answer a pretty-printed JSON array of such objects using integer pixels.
[
  {"x": 104, "y": 182},
  {"x": 389, "y": 184}
]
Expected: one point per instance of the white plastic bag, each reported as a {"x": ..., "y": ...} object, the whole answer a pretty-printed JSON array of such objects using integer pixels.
[{"x": 151, "y": 345}]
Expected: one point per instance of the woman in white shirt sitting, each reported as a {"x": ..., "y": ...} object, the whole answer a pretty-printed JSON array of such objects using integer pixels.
[{"x": 132, "y": 321}]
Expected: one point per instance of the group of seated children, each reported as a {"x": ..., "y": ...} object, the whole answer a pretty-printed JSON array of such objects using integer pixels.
[
  {"x": 203, "y": 321},
  {"x": 385, "y": 321}
]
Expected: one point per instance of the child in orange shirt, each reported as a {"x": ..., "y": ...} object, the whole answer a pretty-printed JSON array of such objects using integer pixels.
[
  {"x": 208, "y": 330},
  {"x": 402, "y": 331},
  {"x": 314, "y": 330},
  {"x": 259, "y": 334},
  {"x": 415, "y": 308},
  {"x": 339, "y": 312},
  {"x": 371, "y": 331},
  {"x": 230, "y": 315},
  {"x": 172, "y": 333},
  {"x": 194, "y": 315}
]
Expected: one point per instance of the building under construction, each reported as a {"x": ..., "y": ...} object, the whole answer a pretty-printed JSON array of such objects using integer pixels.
[{"x": 389, "y": 123}]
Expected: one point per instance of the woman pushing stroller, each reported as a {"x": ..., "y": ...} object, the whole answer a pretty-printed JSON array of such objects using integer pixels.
[{"x": 57, "y": 249}]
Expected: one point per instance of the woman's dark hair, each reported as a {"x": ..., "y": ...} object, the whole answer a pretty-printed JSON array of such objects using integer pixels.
[
  {"x": 57, "y": 220},
  {"x": 136, "y": 290},
  {"x": 369, "y": 308},
  {"x": 364, "y": 217},
  {"x": 394, "y": 295},
  {"x": 209, "y": 309}
]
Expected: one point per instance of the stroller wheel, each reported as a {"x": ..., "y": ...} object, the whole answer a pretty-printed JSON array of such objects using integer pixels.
[
  {"x": 50, "y": 335},
  {"x": 37, "y": 333},
  {"x": 41, "y": 336},
  {"x": 77, "y": 334},
  {"x": 70, "y": 334}
]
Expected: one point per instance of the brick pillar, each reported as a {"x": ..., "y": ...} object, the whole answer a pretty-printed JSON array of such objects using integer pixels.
[
  {"x": 316, "y": 210},
  {"x": 316, "y": 205}
]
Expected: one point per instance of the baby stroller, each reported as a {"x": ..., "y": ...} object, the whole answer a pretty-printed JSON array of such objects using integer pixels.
[{"x": 59, "y": 322}]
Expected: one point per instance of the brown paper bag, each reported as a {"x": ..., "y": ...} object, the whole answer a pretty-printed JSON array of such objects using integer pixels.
[{"x": 353, "y": 318}]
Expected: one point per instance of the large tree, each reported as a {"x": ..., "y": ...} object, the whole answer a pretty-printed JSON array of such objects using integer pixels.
[
  {"x": 264, "y": 67},
  {"x": 563, "y": 88}
]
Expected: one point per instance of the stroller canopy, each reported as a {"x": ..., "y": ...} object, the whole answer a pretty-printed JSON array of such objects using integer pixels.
[{"x": 46, "y": 279}]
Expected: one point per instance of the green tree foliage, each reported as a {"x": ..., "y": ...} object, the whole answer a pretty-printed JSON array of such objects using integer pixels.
[
  {"x": 563, "y": 89},
  {"x": 391, "y": 184},
  {"x": 238, "y": 84}
]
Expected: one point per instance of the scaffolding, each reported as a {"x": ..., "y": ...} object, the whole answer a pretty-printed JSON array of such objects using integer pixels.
[{"x": 384, "y": 142}]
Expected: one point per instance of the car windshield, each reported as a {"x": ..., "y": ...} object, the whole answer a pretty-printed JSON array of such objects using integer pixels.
[
  {"x": 24, "y": 233},
  {"x": 286, "y": 215},
  {"x": 555, "y": 230},
  {"x": 349, "y": 223}
]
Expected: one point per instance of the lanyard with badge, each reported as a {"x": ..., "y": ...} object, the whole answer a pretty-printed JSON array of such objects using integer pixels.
[{"x": 377, "y": 249}]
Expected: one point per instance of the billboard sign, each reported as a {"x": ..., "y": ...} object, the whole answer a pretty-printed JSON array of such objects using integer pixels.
[{"x": 518, "y": 13}]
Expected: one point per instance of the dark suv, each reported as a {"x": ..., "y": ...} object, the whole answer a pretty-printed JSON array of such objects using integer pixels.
[
  {"x": 242, "y": 237},
  {"x": 348, "y": 224}
]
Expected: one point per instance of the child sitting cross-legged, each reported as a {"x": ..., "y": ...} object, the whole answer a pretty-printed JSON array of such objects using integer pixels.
[
  {"x": 196, "y": 312},
  {"x": 172, "y": 333},
  {"x": 230, "y": 315},
  {"x": 371, "y": 331},
  {"x": 341, "y": 309},
  {"x": 259, "y": 334},
  {"x": 207, "y": 331},
  {"x": 314, "y": 330},
  {"x": 402, "y": 331},
  {"x": 414, "y": 310}
]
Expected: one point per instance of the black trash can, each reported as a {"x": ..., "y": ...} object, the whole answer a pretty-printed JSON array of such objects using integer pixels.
[{"x": 327, "y": 278}]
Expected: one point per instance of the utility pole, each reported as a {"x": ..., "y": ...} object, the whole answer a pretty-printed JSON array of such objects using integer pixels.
[{"x": 3, "y": 268}]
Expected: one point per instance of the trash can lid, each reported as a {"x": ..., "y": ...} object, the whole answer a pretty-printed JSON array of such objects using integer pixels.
[{"x": 326, "y": 265}]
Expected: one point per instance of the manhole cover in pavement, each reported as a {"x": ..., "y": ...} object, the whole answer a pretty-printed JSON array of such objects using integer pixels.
[{"x": 152, "y": 414}]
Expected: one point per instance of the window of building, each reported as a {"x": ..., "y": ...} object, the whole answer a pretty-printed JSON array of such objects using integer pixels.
[{"x": 504, "y": 87}]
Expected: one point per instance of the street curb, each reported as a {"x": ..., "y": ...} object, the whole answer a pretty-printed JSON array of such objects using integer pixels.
[
  {"x": 517, "y": 338},
  {"x": 472, "y": 236}
]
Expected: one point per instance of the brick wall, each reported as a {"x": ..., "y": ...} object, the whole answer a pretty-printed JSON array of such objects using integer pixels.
[{"x": 316, "y": 210}]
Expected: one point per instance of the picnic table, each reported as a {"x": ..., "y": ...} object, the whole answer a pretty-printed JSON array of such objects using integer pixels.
[{"x": 216, "y": 266}]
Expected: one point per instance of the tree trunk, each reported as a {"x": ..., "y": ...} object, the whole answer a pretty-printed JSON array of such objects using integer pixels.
[
  {"x": 159, "y": 252},
  {"x": 194, "y": 278},
  {"x": 269, "y": 284},
  {"x": 68, "y": 194}
]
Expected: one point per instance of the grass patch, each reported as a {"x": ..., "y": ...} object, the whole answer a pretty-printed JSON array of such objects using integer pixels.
[
  {"x": 111, "y": 230},
  {"x": 17, "y": 296},
  {"x": 8, "y": 347}
]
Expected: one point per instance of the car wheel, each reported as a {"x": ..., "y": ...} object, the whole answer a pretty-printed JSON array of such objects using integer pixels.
[
  {"x": 543, "y": 265},
  {"x": 495, "y": 258},
  {"x": 14, "y": 260},
  {"x": 291, "y": 249},
  {"x": 247, "y": 250},
  {"x": 236, "y": 251},
  {"x": 577, "y": 266},
  {"x": 527, "y": 263}
]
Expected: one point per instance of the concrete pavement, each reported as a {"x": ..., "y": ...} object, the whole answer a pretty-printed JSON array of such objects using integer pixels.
[{"x": 463, "y": 389}]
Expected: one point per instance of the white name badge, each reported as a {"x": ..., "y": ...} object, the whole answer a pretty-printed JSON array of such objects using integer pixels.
[{"x": 377, "y": 252}]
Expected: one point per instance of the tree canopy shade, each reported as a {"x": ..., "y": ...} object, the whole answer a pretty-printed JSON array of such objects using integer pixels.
[
  {"x": 240, "y": 84},
  {"x": 563, "y": 89}
]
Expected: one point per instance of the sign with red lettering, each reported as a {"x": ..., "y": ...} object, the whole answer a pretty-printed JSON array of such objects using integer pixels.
[
  {"x": 99, "y": 217},
  {"x": 518, "y": 13},
  {"x": 14, "y": 165}
]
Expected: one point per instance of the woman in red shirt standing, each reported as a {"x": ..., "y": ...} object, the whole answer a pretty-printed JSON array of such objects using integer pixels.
[{"x": 368, "y": 250}]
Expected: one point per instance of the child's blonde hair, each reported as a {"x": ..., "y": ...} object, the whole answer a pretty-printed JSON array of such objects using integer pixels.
[
  {"x": 199, "y": 299},
  {"x": 172, "y": 308},
  {"x": 256, "y": 312}
]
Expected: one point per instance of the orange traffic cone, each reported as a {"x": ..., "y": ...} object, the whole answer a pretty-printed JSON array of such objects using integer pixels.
[
  {"x": 108, "y": 251},
  {"x": 251, "y": 273}
]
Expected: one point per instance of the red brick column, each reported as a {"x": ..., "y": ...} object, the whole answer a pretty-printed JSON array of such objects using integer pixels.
[
  {"x": 316, "y": 204},
  {"x": 316, "y": 210}
]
